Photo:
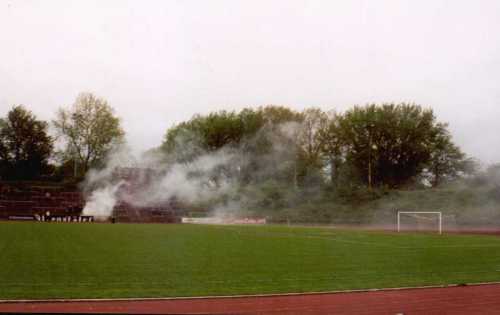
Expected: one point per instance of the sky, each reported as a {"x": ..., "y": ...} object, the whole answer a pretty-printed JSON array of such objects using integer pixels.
[{"x": 158, "y": 63}]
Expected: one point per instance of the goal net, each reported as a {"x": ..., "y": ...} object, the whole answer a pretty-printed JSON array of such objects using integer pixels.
[{"x": 427, "y": 221}]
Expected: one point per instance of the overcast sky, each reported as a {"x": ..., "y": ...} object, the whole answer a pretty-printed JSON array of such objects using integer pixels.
[{"x": 160, "y": 62}]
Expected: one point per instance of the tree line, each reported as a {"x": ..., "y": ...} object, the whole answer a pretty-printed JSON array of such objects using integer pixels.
[
  {"x": 389, "y": 145},
  {"x": 386, "y": 145},
  {"x": 84, "y": 132}
]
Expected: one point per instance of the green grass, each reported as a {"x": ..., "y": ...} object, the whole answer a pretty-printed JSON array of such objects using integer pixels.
[{"x": 40, "y": 260}]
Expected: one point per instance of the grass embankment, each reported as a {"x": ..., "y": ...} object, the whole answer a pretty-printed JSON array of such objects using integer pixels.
[
  {"x": 42, "y": 260},
  {"x": 460, "y": 205}
]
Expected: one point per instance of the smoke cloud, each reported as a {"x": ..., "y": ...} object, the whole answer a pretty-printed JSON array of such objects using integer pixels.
[
  {"x": 102, "y": 201},
  {"x": 236, "y": 182},
  {"x": 211, "y": 177}
]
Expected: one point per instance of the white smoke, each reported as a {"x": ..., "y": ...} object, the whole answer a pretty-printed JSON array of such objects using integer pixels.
[
  {"x": 196, "y": 181},
  {"x": 209, "y": 176},
  {"x": 99, "y": 184},
  {"x": 102, "y": 201}
]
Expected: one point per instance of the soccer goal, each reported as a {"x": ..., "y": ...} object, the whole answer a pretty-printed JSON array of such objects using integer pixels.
[{"x": 420, "y": 220}]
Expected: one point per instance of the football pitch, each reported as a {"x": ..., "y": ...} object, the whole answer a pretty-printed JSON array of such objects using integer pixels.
[{"x": 57, "y": 260}]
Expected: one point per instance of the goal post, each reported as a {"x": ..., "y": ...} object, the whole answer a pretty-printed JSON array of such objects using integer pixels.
[{"x": 437, "y": 213}]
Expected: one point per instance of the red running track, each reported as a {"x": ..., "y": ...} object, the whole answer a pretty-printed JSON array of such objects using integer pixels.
[{"x": 475, "y": 299}]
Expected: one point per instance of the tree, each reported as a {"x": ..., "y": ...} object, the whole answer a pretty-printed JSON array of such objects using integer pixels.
[
  {"x": 333, "y": 146},
  {"x": 310, "y": 137},
  {"x": 219, "y": 129},
  {"x": 190, "y": 139},
  {"x": 90, "y": 129},
  {"x": 25, "y": 146},
  {"x": 310, "y": 142},
  {"x": 4, "y": 156},
  {"x": 390, "y": 144},
  {"x": 277, "y": 115},
  {"x": 276, "y": 151},
  {"x": 254, "y": 134},
  {"x": 225, "y": 129},
  {"x": 447, "y": 161}
]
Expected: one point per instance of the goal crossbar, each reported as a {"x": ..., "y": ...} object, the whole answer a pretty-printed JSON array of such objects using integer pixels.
[{"x": 439, "y": 213}]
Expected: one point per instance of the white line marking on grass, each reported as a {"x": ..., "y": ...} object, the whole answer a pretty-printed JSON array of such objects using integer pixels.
[
  {"x": 336, "y": 239},
  {"x": 248, "y": 296},
  {"x": 290, "y": 235},
  {"x": 401, "y": 247}
]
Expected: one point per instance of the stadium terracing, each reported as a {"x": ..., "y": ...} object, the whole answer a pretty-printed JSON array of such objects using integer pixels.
[
  {"x": 137, "y": 179},
  {"x": 31, "y": 201}
]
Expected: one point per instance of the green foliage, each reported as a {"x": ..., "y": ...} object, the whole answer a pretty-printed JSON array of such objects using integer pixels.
[
  {"x": 311, "y": 142},
  {"x": 90, "y": 129},
  {"x": 287, "y": 159},
  {"x": 251, "y": 133},
  {"x": 392, "y": 144},
  {"x": 333, "y": 148},
  {"x": 447, "y": 162},
  {"x": 25, "y": 146},
  {"x": 267, "y": 197},
  {"x": 220, "y": 129},
  {"x": 4, "y": 156},
  {"x": 203, "y": 134}
]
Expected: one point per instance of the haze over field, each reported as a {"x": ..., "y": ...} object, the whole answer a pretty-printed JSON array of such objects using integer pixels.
[{"x": 160, "y": 62}]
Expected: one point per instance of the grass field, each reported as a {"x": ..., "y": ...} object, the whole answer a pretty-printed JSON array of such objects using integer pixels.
[{"x": 40, "y": 260}]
